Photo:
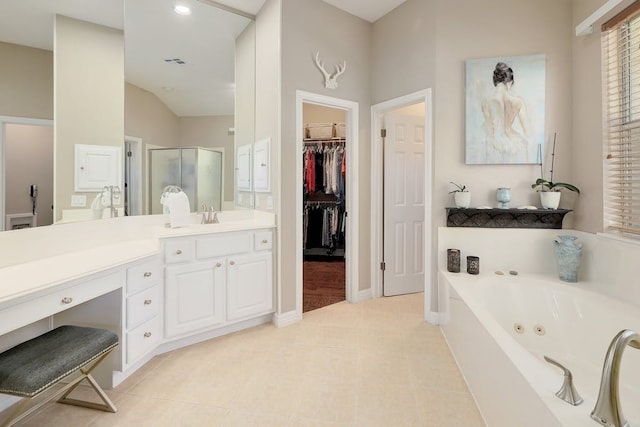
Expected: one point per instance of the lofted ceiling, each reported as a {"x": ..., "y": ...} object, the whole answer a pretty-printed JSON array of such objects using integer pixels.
[
  {"x": 203, "y": 84},
  {"x": 369, "y": 10}
]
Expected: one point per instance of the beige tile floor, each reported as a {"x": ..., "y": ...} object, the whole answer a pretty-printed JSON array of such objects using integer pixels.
[{"x": 371, "y": 364}]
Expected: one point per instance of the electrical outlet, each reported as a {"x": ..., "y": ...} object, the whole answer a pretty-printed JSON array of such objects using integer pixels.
[
  {"x": 78, "y": 201},
  {"x": 270, "y": 202}
]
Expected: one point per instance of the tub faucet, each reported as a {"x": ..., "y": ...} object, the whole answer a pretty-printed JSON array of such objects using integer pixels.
[
  {"x": 607, "y": 410},
  {"x": 567, "y": 392}
]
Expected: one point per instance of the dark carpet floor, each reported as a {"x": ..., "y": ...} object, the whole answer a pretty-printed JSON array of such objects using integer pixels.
[{"x": 324, "y": 284}]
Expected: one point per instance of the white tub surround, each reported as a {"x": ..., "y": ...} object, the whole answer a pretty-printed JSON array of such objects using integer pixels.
[
  {"x": 499, "y": 327},
  {"x": 111, "y": 274}
]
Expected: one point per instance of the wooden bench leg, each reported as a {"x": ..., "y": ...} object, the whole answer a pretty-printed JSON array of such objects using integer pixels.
[{"x": 21, "y": 410}]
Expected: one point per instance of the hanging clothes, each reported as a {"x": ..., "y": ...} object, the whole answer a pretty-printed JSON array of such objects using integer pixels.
[
  {"x": 323, "y": 226},
  {"x": 324, "y": 168}
]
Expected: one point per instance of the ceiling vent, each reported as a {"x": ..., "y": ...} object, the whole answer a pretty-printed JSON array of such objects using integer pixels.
[{"x": 174, "y": 61}]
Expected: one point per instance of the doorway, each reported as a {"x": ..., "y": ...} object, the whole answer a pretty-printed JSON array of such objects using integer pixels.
[
  {"x": 401, "y": 197},
  {"x": 324, "y": 206},
  {"x": 351, "y": 211},
  {"x": 26, "y": 172}
]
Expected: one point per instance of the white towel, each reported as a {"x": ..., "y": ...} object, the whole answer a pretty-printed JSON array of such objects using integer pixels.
[{"x": 179, "y": 209}]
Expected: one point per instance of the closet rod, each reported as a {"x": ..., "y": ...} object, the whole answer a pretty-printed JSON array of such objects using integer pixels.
[{"x": 316, "y": 140}]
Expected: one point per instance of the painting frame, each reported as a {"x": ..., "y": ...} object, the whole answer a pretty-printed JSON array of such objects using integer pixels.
[{"x": 505, "y": 109}]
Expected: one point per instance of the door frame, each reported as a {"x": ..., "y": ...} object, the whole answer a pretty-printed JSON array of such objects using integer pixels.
[
  {"x": 4, "y": 121},
  {"x": 377, "y": 209},
  {"x": 135, "y": 172},
  {"x": 352, "y": 200}
]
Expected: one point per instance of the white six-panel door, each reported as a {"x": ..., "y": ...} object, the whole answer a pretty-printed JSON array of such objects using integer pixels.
[{"x": 404, "y": 205}]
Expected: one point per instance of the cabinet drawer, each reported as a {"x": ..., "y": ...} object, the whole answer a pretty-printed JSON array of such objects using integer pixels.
[
  {"x": 263, "y": 240},
  {"x": 18, "y": 315},
  {"x": 229, "y": 244},
  {"x": 143, "y": 339},
  {"x": 143, "y": 306},
  {"x": 143, "y": 276},
  {"x": 179, "y": 250}
]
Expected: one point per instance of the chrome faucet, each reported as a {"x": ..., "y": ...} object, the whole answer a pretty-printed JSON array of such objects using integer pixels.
[
  {"x": 209, "y": 216},
  {"x": 607, "y": 410}
]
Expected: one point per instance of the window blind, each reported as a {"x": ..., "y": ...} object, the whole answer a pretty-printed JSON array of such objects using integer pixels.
[{"x": 621, "y": 95}]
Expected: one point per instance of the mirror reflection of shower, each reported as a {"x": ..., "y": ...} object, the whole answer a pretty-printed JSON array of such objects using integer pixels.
[{"x": 198, "y": 171}]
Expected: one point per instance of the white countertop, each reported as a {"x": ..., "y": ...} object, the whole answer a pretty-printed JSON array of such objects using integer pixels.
[{"x": 33, "y": 260}]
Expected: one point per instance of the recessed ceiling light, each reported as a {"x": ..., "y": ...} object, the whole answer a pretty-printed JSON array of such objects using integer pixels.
[{"x": 182, "y": 9}]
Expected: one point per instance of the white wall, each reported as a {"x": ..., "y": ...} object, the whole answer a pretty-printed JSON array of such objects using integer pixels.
[
  {"x": 88, "y": 96},
  {"x": 268, "y": 96},
  {"x": 424, "y": 43},
  {"x": 310, "y": 26},
  {"x": 245, "y": 105},
  {"x": 27, "y": 82},
  {"x": 588, "y": 150}
]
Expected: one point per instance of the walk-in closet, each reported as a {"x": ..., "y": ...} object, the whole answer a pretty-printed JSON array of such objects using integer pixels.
[{"x": 324, "y": 198}]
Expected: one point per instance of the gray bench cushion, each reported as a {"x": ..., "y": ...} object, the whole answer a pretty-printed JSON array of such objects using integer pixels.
[{"x": 31, "y": 367}]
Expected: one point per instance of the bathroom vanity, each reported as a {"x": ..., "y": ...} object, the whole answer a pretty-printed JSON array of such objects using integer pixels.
[{"x": 157, "y": 288}]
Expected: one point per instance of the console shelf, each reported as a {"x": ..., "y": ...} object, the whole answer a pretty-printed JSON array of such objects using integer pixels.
[{"x": 505, "y": 218}]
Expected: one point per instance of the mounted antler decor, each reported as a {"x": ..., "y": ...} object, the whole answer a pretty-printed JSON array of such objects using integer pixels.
[{"x": 330, "y": 80}]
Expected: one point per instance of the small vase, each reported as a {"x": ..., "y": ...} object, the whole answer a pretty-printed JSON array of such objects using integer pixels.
[
  {"x": 462, "y": 199},
  {"x": 453, "y": 260},
  {"x": 550, "y": 199},
  {"x": 473, "y": 265},
  {"x": 568, "y": 256},
  {"x": 503, "y": 195}
]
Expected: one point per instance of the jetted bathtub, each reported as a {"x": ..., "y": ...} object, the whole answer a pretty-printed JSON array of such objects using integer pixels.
[{"x": 499, "y": 327}]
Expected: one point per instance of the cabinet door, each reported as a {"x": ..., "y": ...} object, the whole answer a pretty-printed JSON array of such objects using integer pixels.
[
  {"x": 97, "y": 166},
  {"x": 261, "y": 165},
  {"x": 195, "y": 295},
  {"x": 243, "y": 174},
  {"x": 249, "y": 285}
]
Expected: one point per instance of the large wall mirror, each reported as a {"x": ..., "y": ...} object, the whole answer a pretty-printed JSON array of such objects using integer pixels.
[{"x": 189, "y": 81}]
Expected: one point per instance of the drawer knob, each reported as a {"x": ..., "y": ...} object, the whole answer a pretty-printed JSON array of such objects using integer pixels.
[
  {"x": 147, "y": 334},
  {"x": 218, "y": 265},
  {"x": 147, "y": 302},
  {"x": 67, "y": 300},
  {"x": 147, "y": 274},
  {"x": 178, "y": 252},
  {"x": 265, "y": 241},
  {"x": 232, "y": 262}
]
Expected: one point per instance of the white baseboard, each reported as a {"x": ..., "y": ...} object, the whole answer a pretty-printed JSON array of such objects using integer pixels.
[
  {"x": 281, "y": 320},
  {"x": 363, "y": 295},
  {"x": 436, "y": 318}
]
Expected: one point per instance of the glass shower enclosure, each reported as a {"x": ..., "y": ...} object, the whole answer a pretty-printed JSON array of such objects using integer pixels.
[{"x": 198, "y": 171}]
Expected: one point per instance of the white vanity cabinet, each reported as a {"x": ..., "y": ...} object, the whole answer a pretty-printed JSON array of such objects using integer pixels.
[
  {"x": 225, "y": 278},
  {"x": 143, "y": 309},
  {"x": 249, "y": 285},
  {"x": 195, "y": 296}
]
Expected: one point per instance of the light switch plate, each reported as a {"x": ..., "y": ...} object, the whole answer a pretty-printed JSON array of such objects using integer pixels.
[{"x": 78, "y": 201}]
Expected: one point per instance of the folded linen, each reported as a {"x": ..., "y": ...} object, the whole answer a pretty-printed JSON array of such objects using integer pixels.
[{"x": 179, "y": 209}]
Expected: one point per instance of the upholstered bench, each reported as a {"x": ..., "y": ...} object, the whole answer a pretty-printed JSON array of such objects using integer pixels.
[{"x": 31, "y": 368}]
